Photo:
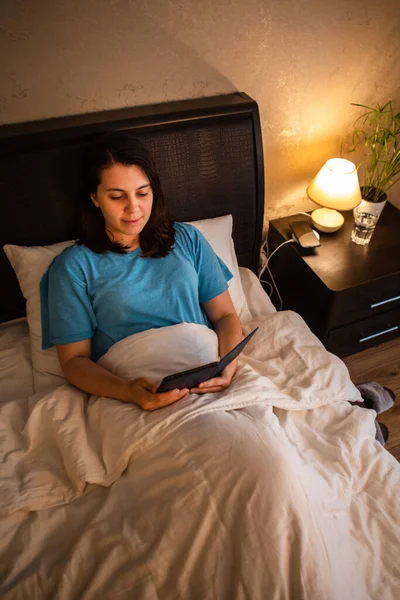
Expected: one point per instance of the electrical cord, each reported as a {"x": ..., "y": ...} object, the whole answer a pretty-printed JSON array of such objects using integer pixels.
[
  {"x": 302, "y": 213},
  {"x": 273, "y": 287},
  {"x": 269, "y": 284},
  {"x": 268, "y": 258},
  {"x": 265, "y": 267}
]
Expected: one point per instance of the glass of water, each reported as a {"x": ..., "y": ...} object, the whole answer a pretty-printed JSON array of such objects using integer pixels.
[{"x": 366, "y": 216}]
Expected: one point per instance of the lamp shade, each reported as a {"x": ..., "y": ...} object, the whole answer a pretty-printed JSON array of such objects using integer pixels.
[{"x": 336, "y": 185}]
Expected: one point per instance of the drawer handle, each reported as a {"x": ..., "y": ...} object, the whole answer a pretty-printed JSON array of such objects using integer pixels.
[
  {"x": 385, "y": 301},
  {"x": 369, "y": 337}
]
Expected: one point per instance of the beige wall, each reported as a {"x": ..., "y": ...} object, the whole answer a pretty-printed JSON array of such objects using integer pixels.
[{"x": 303, "y": 61}]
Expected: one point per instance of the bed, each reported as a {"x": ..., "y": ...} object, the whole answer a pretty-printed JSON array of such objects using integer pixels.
[{"x": 275, "y": 488}]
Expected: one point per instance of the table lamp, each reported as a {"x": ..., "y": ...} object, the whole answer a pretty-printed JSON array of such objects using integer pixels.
[{"x": 335, "y": 187}]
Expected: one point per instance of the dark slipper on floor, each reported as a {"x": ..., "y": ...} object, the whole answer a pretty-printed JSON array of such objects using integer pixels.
[
  {"x": 390, "y": 392},
  {"x": 381, "y": 433},
  {"x": 376, "y": 396},
  {"x": 385, "y": 432}
]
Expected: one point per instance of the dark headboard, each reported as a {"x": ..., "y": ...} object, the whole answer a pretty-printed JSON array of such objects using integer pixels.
[{"x": 208, "y": 152}]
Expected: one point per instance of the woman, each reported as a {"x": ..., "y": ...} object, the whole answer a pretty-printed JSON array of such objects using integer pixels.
[{"x": 132, "y": 269}]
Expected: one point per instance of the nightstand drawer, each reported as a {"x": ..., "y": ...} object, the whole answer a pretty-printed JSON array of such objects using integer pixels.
[
  {"x": 348, "y": 295},
  {"x": 364, "y": 334},
  {"x": 366, "y": 301}
]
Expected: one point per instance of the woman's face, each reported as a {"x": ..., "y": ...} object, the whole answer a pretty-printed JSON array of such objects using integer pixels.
[{"x": 125, "y": 198}]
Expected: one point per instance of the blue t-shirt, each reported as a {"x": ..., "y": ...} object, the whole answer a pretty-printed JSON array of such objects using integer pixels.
[{"x": 107, "y": 297}]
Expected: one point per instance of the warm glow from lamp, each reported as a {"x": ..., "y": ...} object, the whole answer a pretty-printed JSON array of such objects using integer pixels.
[{"x": 336, "y": 187}]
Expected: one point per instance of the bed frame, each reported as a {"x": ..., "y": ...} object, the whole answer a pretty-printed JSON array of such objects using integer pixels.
[{"x": 208, "y": 152}]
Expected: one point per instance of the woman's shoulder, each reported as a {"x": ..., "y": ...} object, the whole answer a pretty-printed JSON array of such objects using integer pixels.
[
  {"x": 186, "y": 238},
  {"x": 182, "y": 227},
  {"x": 70, "y": 253},
  {"x": 187, "y": 231},
  {"x": 73, "y": 258}
]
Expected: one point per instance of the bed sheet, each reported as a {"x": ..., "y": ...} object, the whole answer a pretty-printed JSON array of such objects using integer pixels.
[
  {"x": 220, "y": 497},
  {"x": 16, "y": 377}
]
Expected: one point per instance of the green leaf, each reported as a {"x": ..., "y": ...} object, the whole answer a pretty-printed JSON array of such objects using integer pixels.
[{"x": 377, "y": 131}]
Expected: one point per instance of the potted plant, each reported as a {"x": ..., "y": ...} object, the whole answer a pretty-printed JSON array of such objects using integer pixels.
[{"x": 377, "y": 132}]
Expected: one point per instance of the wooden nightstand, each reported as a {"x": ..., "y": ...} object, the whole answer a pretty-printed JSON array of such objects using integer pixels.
[{"x": 348, "y": 295}]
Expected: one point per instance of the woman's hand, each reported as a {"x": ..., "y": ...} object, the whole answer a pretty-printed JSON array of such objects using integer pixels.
[
  {"x": 222, "y": 315},
  {"x": 143, "y": 392},
  {"x": 217, "y": 384}
]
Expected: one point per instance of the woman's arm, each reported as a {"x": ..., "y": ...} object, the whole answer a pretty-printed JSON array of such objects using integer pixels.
[
  {"x": 225, "y": 321},
  {"x": 90, "y": 377}
]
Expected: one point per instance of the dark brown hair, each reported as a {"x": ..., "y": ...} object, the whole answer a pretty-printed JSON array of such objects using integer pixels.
[{"x": 119, "y": 147}]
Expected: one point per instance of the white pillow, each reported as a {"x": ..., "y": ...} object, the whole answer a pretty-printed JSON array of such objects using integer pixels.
[
  {"x": 30, "y": 264},
  {"x": 218, "y": 232}
]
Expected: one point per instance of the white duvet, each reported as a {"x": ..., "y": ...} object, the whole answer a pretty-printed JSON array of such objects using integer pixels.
[{"x": 275, "y": 488}]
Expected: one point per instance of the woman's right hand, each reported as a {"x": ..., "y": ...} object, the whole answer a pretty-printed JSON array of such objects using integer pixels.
[{"x": 143, "y": 392}]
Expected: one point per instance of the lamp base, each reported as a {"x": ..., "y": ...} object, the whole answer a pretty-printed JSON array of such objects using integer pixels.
[{"x": 327, "y": 220}]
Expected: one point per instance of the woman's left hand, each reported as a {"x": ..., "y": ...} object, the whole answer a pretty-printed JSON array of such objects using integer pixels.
[
  {"x": 222, "y": 315},
  {"x": 217, "y": 384}
]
